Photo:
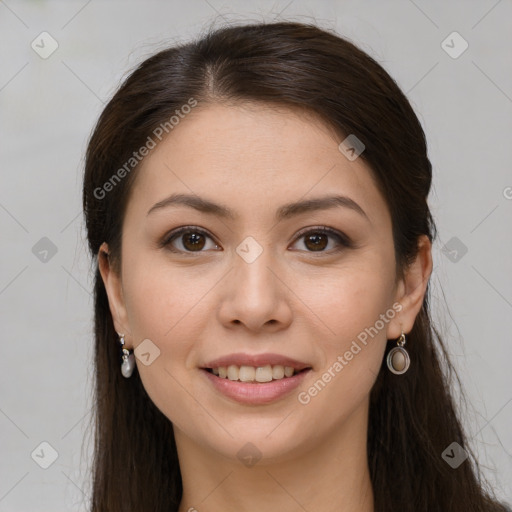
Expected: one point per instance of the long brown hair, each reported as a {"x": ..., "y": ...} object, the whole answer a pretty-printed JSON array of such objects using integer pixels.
[{"x": 412, "y": 417}]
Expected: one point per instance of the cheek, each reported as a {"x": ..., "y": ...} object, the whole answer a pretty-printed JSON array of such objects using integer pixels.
[
  {"x": 169, "y": 306},
  {"x": 357, "y": 315},
  {"x": 353, "y": 307},
  {"x": 160, "y": 297},
  {"x": 163, "y": 306},
  {"x": 350, "y": 298}
]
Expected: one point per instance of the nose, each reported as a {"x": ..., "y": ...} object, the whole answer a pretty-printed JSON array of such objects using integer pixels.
[{"x": 256, "y": 295}]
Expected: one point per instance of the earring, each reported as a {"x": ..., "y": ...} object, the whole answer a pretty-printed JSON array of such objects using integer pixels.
[
  {"x": 128, "y": 364},
  {"x": 398, "y": 359}
]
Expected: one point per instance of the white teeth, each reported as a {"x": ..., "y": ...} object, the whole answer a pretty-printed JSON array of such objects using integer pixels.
[
  {"x": 277, "y": 371},
  {"x": 246, "y": 373},
  {"x": 233, "y": 372},
  {"x": 250, "y": 373},
  {"x": 263, "y": 373}
]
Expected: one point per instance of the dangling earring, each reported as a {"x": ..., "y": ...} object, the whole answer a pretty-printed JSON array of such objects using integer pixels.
[
  {"x": 128, "y": 364},
  {"x": 398, "y": 359}
]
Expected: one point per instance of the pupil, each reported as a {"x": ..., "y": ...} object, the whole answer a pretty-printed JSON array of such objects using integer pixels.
[
  {"x": 318, "y": 240},
  {"x": 194, "y": 239}
]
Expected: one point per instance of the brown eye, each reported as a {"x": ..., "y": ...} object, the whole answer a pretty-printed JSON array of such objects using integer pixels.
[
  {"x": 319, "y": 240},
  {"x": 316, "y": 241},
  {"x": 188, "y": 240},
  {"x": 193, "y": 241}
]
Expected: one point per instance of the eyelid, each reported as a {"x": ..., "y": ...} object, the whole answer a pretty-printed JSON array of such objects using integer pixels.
[
  {"x": 168, "y": 238},
  {"x": 326, "y": 229},
  {"x": 343, "y": 239}
]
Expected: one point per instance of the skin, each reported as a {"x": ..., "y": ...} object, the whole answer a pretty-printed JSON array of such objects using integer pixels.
[{"x": 291, "y": 300}]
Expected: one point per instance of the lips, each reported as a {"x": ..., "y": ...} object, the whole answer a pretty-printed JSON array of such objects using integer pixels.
[
  {"x": 270, "y": 387},
  {"x": 254, "y": 393}
]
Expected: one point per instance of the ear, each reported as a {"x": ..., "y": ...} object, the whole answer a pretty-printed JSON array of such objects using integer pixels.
[
  {"x": 114, "y": 288},
  {"x": 411, "y": 290}
]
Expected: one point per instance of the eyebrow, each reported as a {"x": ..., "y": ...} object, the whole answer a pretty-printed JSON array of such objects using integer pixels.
[{"x": 284, "y": 212}]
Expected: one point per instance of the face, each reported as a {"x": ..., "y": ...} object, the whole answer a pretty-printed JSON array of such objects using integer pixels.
[{"x": 255, "y": 281}]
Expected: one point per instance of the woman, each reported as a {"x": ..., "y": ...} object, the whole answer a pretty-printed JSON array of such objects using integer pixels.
[{"x": 257, "y": 203}]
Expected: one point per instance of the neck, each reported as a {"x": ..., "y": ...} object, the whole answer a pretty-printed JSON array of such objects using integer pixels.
[{"x": 331, "y": 476}]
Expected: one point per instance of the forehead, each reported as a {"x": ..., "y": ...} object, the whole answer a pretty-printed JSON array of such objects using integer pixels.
[{"x": 253, "y": 158}]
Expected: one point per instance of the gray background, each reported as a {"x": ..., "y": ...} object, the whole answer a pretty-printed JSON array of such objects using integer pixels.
[{"x": 48, "y": 107}]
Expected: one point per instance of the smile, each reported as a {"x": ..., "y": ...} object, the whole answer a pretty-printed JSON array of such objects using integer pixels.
[
  {"x": 253, "y": 392},
  {"x": 260, "y": 374}
]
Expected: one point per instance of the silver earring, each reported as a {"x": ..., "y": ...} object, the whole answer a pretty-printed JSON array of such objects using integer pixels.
[
  {"x": 398, "y": 359},
  {"x": 128, "y": 364}
]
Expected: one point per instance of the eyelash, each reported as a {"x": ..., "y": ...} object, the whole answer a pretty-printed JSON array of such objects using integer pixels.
[{"x": 343, "y": 240}]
